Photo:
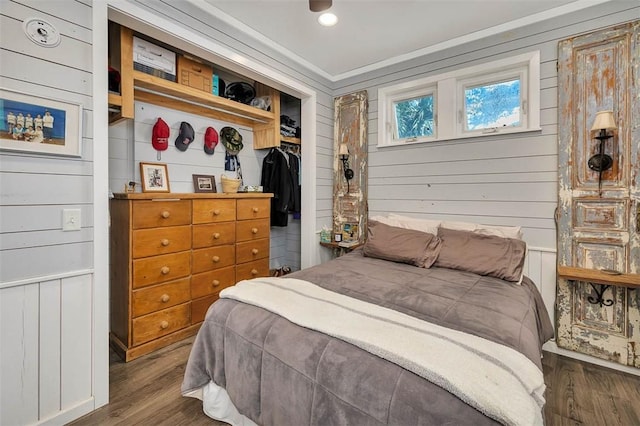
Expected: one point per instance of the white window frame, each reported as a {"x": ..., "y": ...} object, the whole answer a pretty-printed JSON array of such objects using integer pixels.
[
  {"x": 413, "y": 94},
  {"x": 448, "y": 92}
]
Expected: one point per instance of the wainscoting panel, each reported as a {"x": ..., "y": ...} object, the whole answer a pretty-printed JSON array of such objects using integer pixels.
[
  {"x": 540, "y": 266},
  {"x": 45, "y": 356}
]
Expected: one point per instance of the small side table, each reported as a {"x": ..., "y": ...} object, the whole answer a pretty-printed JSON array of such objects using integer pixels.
[{"x": 338, "y": 250}]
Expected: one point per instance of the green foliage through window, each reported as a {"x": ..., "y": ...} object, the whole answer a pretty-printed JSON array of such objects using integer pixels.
[{"x": 414, "y": 117}]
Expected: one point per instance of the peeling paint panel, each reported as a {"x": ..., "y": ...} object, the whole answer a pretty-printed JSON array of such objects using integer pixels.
[
  {"x": 600, "y": 214},
  {"x": 350, "y": 128},
  {"x": 598, "y": 217}
]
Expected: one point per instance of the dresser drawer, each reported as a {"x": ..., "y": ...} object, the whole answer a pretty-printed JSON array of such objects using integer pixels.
[
  {"x": 252, "y": 250},
  {"x": 251, "y": 208},
  {"x": 252, "y": 229},
  {"x": 212, "y": 282},
  {"x": 214, "y": 234},
  {"x": 158, "y": 297},
  {"x": 151, "y": 242},
  {"x": 158, "y": 269},
  {"x": 161, "y": 323},
  {"x": 200, "y": 306},
  {"x": 213, "y": 258},
  {"x": 257, "y": 268},
  {"x": 207, "y": 211},
  {"x": 151, "y": 214}
]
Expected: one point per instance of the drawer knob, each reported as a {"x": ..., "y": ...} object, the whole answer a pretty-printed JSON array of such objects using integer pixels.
[
  {"x": 164, "y": 324},
  {"x": 216, "y": 235},
  {"x": 165, "y": 214},
  {"x": 216, "y": 212},
  {"x": 254, "y": 230},
  {"x": 164, "y": 242},
  {"x": 254, "y": 251},
  {"x": 165, "y": 298},
  {"x": 256, "y": 210},
  {"x": 215, "y": 259},
  {"x": 164, "y": 270},
  {"x": 215, "y": 283},
  {"x": 254, "y": 272}
]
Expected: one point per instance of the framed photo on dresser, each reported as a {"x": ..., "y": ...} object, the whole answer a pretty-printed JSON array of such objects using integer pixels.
[
  {"x": 154, "y": 177},
  {"x": 204, "y": 183}
]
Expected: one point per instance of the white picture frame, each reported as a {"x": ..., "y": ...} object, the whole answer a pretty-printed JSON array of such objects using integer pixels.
[
  {"x": 154, "y": 177},
  {"x": 48, "y": 126}
]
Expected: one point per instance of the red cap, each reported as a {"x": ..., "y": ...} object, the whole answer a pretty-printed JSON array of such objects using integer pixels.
[
  {"x": 160, "y": 135},
  {"x": 210, "y": 140}
]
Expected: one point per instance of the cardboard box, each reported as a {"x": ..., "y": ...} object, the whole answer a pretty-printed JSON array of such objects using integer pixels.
[
  {"x": 154, "y": 60},
  {"x": 194, "y": 74}
]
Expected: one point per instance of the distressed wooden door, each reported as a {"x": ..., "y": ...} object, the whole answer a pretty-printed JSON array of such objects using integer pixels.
[
  {"x": 597, "y": 312},
  {"x": 350, "y": 128}
]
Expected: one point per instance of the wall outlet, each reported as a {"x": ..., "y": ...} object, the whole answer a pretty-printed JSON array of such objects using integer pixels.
[{"x": 71, "y": 219}]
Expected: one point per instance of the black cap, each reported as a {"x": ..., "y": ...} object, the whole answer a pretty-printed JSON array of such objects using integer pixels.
[{"x": 184, "y": 139}]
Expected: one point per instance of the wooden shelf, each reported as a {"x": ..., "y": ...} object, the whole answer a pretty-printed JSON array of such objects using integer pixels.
[
  {"x": 137, "y": 85},
  {"x": 597, "y": 276},
  {"x": 175, "y": 95},
  {"x": 115, "y": 99},
  {"x": 288, "y": 139}
]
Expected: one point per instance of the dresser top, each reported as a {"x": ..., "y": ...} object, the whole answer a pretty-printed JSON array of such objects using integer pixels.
[{"x": 188, "y": 196}]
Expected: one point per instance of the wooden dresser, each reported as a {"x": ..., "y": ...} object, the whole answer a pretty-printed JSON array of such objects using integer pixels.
[{"x": 171, "y": 254}]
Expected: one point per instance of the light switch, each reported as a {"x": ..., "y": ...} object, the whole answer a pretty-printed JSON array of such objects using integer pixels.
[{"x": 71, "y": 219}]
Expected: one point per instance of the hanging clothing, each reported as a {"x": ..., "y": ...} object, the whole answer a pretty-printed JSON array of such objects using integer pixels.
[
  {"x": 277, "y": 179},
  {"x": 294, "y": 169}
]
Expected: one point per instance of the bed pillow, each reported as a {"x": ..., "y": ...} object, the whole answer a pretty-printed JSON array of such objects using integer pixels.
[
  {"x": 482, "y": 254},
  {"x": 499, "y": 231},
  {"x": 407, "y": 222},
  {"x": 401, "y": 245}
]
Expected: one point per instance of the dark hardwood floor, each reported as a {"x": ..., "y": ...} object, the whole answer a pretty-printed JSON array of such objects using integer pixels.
[
  {"x": 146, "y": 391},
  {"x": 579, "y": 393}
]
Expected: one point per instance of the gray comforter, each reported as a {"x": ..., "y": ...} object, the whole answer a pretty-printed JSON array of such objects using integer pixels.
[{"x": 278, "y": 373}]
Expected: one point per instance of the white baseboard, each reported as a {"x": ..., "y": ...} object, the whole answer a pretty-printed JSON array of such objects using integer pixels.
[{"x": 552, "y": 346}]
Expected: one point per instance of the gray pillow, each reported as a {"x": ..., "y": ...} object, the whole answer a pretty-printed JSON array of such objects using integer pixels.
[
  {"x": 481, "y": 254},
  {"x": 401, "y": 245}
]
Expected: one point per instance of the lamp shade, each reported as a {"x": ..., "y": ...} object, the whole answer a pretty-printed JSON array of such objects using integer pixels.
[
  {"x": 343, "y": 150},
  {"x": 604, "y": 121}
]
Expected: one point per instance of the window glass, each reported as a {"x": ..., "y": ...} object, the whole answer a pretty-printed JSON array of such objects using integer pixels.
[
  {"x": 495, "y": 98},
  {"x": 495, "y": 104},
  {"x": 414, "y": 117}
]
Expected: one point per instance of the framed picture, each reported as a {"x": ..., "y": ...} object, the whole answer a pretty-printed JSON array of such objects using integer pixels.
[
  {"x": 204, "y": 183},
  {"x": 350, "y": 232},
  {"x": 154, "y": 177},
  {"x": 39, "y": 125}
]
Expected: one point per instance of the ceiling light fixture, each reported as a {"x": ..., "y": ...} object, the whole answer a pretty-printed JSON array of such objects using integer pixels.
[{"x": 327, "y": 19}]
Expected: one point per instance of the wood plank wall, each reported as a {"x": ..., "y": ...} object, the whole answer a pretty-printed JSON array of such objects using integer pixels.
[
  {"x": 34, "y": 189},
  {"x": 507, "y": 180},
  {"x": 46, "y": 275}
]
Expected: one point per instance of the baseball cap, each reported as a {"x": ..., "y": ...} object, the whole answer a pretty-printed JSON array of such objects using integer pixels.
[
  {"x": 210, "y": 140},
  {"x": 160, "y": 135},
  {"x": 231, "y": 139},
  {"x": 185, "y": 137}
]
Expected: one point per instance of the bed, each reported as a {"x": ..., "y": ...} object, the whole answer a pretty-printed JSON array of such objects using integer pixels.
[{"x": 414, "y": 328}]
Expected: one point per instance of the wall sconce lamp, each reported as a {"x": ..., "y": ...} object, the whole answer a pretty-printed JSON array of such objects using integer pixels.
[
  {"x": 344, "y": 157},
  {"x": 601, "y": 162}
]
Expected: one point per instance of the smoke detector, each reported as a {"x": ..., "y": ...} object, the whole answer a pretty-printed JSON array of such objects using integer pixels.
[{"x": 41, "y": 32}]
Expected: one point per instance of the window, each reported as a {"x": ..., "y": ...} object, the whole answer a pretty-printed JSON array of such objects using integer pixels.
[
  {"x": 414, "y": 117},
  {"x": 498, "y": 97}
]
